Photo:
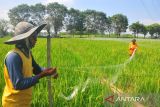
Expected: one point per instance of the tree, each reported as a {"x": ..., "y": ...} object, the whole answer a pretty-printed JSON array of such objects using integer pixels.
[
  {"x": 144, "y": 31},
  {"x": 101, "y": 22},
  {"x": 95, "y": 22},
  {"x": 150, "y": 29},
  {"x": 80, "y": 24},
  {"x": 75, "y": 21},
  {"x": 137, "y": 28},
  {"x": 89, "y": 21},
  {"x": 154, "y": 30},
  {"x": 19, "y": 13},
  {"x": 109, "y": 28},
  {"x": 158, "y": 30},
  {"x": 119, "y": 23},
  {"x": 37, "y": 13},
  {"x": 4, "y": 25},
  {"x": 57, "y": 12},
  {"x": 156, "y": 27}
]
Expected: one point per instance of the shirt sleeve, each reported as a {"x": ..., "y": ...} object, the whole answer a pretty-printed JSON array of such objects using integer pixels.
[
  {"x": 36, "y": 68},
  {"x": 14, "y": 65}
]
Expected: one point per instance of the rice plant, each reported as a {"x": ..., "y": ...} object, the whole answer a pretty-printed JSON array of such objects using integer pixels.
[{"x": 87, "y": 67}]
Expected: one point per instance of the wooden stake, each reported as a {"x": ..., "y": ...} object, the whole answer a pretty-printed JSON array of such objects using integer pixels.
[{"x": 50, "y": 98}]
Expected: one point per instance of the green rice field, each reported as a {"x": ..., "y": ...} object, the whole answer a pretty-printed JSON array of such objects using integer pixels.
[{"x": 86, "y": 68}]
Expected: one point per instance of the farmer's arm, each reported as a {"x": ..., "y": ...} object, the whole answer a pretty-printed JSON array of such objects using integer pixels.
[
  {"x": 36, "y": 68},
  {"x": 14, "y": 65},
  {"x": 42, "y": 72}
]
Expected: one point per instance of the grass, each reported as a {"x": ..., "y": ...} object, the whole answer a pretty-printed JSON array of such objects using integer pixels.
[{"x": 79, "y": 59}]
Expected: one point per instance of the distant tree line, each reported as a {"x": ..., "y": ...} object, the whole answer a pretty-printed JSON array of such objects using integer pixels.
[
  {"x": 74, "y": 21},
  {"x": 138, "y": 28}
]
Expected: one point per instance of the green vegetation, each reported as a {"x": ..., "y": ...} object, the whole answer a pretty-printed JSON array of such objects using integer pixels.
[{"x": 80, "y": 59}]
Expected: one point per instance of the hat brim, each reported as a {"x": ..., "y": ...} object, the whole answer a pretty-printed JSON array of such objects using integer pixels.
[{"x": 23, "y": 36}]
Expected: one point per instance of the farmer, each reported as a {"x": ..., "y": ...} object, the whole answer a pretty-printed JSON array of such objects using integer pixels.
[
  {"x": 19, "y": 67},
  {"x": 132, "y": 46}
]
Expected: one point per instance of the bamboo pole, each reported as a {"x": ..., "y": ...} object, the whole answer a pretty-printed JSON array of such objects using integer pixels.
[{"x": 50, "y": 99}]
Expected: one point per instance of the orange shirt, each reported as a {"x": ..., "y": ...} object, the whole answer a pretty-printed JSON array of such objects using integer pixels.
[{"x": 132, "y": 47}]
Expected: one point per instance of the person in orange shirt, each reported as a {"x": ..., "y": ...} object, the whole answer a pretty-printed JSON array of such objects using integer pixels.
[{"x": 132, "y": 46}]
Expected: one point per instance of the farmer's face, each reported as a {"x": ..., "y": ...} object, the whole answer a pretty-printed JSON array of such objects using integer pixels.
[{"x": 33, "y": 39}]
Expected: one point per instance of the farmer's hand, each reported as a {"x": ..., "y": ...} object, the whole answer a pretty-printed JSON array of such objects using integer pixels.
[
  {"x": 48, "y": 72},
  {"x": 55, "y": 76}
]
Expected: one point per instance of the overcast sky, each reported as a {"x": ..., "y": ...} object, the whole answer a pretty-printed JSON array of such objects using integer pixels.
[{"x": 145, "y": 11}]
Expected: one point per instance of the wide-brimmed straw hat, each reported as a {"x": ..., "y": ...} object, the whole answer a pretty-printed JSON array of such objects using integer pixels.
[{"x": 24, "y": 30}]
